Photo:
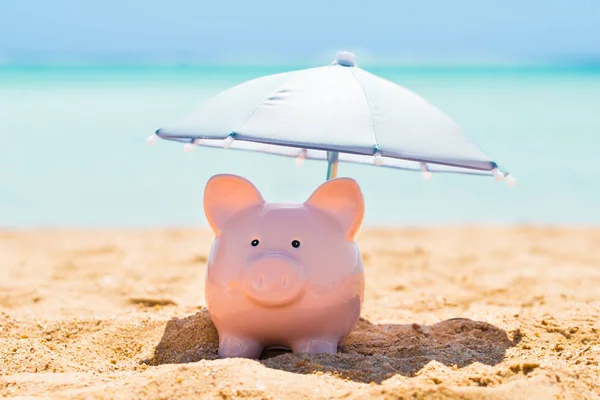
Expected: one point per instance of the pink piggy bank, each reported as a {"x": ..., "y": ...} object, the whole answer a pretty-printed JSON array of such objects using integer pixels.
[{"x": 283, "y": 275}]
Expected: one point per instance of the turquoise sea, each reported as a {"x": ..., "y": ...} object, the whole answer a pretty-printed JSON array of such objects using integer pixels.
[{"x": 73, "y": 151}]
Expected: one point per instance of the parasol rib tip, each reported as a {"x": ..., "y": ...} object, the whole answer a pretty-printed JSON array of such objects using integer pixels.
[
  {"x": 152, "y": 139},
  {"x": 426, "y": 172},
  {"x": 227, "y": 142},
  {"x": 498, "y": 175},
  {"x": 378, "y": 159},
  {"x": 300, "y": 159}
]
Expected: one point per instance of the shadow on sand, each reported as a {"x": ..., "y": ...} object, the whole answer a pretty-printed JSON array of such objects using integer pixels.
[{"x": 371, "y": 352}]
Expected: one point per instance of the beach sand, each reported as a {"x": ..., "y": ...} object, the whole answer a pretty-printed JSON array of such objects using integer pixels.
[{"x": 459, "y": 312}]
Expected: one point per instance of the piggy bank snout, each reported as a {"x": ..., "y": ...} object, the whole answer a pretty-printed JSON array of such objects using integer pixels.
[{"x": 274, "y": 279}]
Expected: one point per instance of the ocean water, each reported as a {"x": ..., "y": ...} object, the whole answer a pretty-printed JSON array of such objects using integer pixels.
[{"x": 73, "y": 151}]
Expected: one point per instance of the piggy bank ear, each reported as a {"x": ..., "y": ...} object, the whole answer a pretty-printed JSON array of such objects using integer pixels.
[
  {"x": 225, "y": 195},
  {"x": 342, "y": 199}
]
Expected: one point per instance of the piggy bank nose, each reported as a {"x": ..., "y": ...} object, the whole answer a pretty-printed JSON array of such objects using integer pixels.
[{"x": 274, "y": 279}]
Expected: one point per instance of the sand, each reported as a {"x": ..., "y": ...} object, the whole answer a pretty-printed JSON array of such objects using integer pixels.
[{"x": 459, "y": 312}]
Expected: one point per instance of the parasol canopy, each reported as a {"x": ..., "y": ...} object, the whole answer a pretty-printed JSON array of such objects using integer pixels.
[{"x": 337, "y": 112}]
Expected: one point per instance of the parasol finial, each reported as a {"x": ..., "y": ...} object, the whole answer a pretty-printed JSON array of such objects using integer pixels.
[{"x": 345, "y": 59}]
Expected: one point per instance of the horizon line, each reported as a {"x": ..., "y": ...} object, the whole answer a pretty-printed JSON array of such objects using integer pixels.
[{"x": 364, "y": 58}]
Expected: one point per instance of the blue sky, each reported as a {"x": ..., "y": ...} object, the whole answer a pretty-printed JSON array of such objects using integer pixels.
[{"x": 255, "y": 30}]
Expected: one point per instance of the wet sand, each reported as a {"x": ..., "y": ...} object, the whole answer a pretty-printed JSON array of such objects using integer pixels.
[{"x": 460, "y": 312}]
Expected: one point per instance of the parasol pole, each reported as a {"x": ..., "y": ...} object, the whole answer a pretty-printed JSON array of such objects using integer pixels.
[{"x": 332, "y": 164}]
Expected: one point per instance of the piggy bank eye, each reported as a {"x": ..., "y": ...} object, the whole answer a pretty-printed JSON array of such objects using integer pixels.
[
  {"x": 295, "y": 244},
  {"x": 254, "y": 243}
]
